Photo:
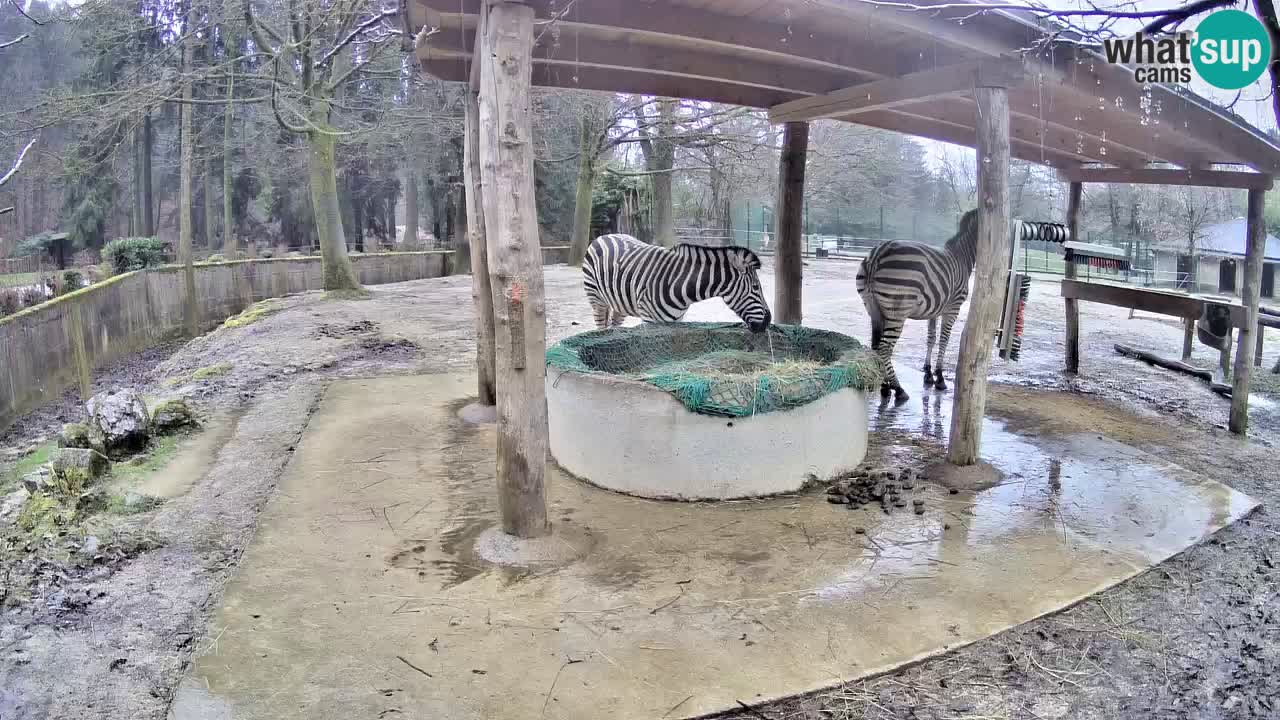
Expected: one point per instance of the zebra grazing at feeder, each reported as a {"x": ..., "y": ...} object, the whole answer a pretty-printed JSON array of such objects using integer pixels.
[
  {"x": 902, "y": 281},
  {"x": 626, "y": 277}
]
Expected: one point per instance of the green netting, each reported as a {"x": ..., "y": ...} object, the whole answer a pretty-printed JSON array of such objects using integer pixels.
[{"x": 722, "y": 369}]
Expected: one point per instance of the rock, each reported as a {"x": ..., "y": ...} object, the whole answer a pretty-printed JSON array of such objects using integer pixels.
[
  {"x": 92, "y": 501},
  {"x": 11, "y": 506},
  {"x": 37, "y": 480},
  {"x": 78, "y": 467},
  {"x": 118, "y": 422},
  {"x": 90, "y": 546},
  {"x": 137, "y": 502},
  {"x": 172, "y": 415},
  {"x": 74, "y": 435}
]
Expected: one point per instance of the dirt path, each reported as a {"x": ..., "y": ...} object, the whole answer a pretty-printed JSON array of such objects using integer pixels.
[{"x": 1197, "y": 637}]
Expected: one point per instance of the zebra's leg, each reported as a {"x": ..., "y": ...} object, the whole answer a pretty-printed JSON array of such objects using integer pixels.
[
  {"x": 888, "y": 338},
  {"x": 928, "y": 351},
  {"x": 600, "y": 313},
  {"x": 948, "y": 320}
]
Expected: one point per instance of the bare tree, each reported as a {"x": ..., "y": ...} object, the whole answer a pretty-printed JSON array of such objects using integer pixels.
[{"x": 305, "y": 59}]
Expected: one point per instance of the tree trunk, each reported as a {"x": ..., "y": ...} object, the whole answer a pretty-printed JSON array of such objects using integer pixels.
[
  {"x": 1250, "y": 291},
  {"x": 410, "y": 238},
  {"x": 336, "y": 268},
  {"x": 1074, "y": 196},
  {"x": 582, "y": 198},
  {"x": 135, "y": 228},
  {"x": 148, "y": 199},
  {"x": 506, "y": 152},
  {"x": 788, "y": 264},
  {"x": 481, "y": 287},
  {"x": 661, "y": 158},
  {"x": 229, "y": 249},
  {"x": 989, "y": 274},
  {"x": 461, "y": 244},
  {"x": 186, "y": 178},
  {"x": 210, "y": 224}
]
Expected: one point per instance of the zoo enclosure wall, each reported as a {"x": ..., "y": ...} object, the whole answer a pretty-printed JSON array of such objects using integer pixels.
[{"x": 56, "y": 345}]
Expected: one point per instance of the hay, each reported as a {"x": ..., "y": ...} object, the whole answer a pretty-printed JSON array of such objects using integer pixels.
[{"x": 723, "y": 370}]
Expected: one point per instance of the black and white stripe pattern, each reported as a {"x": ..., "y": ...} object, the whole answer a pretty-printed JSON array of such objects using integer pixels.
[
  {"x": 626, "y": 277},
  {"x": 903, "y": 280}
]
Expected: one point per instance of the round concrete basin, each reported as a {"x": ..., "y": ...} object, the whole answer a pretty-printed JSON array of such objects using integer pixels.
[{"x": 631, "y": 437}]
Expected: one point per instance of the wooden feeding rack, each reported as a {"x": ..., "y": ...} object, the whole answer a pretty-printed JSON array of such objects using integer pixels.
[
  {"x": 1009, "y": 330},
  {"x": 1093, "y": 256}
]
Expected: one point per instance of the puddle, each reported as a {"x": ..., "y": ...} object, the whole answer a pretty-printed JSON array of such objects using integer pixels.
[
  {"x": 671, "y": 594},
  {"x": 193, "y": 457}
]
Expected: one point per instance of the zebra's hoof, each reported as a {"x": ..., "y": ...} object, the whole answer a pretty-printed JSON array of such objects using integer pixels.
[
  {"x": 940, "y": 383},
  {"x": 885, "y": 391},
  {"x": 928, "y": 380},
  {"x": 900, "y": 396}
]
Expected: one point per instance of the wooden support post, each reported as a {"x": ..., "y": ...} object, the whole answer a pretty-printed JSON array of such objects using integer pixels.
[
  {"x": 1188, "y": 337},
  {"x": 788, "y": 261},
  {"x": 989, "y": 273},
  {"x": 515, "y": 265},
  {"x": 1256, "y": 233},
  {"x": 481, "y": 289},
  {"x": 1074, "y": 196},
  {"x": 1257, "y": 348}
]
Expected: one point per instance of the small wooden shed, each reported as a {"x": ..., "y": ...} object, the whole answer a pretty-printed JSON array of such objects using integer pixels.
[{"x": 999, "y": 81}]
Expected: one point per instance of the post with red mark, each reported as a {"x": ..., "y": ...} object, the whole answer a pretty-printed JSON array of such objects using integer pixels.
[{"x": 515, "y": 313}]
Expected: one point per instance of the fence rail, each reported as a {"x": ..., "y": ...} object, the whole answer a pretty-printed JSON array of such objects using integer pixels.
[{"x": 46, "y": 349}]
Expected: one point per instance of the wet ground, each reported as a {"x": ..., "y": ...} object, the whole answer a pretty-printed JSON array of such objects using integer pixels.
[
  {"x": 1197, "y": 637},
  {"x": 361, "y": 597}
]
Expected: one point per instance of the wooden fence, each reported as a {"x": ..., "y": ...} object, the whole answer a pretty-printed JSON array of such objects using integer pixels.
[{"x": 54, "y": 346}]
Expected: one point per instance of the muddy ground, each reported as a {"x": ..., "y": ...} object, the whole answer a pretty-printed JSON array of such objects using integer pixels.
[{"x": 1196, "y": 637}]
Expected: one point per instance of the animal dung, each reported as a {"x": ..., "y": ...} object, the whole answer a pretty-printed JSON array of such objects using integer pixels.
[{"x": 886, "y": 486}]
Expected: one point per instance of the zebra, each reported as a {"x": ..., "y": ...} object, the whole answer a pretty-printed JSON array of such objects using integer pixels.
[
  {"x": 626, "y": 277},
  {"x": 903, "y": 280}
]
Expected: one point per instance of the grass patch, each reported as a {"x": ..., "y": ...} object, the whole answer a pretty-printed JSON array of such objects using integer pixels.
[
  {"x": 25, "y": 465},
  {"x": 119, "y": 505},
  {"x": 19, "y": 279},
  {"x": 348, "y": 295},
  {"x": 158, "y": 454},
  {"x": 211, "y": 371},
  {"x": 253, "y": 314}
]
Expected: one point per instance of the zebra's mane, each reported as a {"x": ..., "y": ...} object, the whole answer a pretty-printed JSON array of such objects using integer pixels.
[{"x": 752, "y": 260}]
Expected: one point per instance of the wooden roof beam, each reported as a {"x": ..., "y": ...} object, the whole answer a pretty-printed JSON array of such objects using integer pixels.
[
  {"x": 960, "y": 134},
  {"x": 892, "y": 92},
  {"x": 1169, "y": 176},
  {"x": 691, "y": 26},
  {"x": 631, "y": 52}
]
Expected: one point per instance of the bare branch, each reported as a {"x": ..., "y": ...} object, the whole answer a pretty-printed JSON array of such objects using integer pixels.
[
  {"x": 1092, "y": 11},
  {"x": 275, "y": 108},
  {"x": 15, "y": 41},
  {"x": 357, "y": 32},
  {"x": 24, "y": 14},
  {"x": 16, "y": 164}
]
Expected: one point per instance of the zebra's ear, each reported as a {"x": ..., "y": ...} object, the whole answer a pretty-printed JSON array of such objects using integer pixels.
[{"x": 744, "y": 260}]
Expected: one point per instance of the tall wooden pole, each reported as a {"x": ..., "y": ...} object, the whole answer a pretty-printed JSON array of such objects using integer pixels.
[
  {"x": 515, "y": 265},
  {"x": 1249, "y": 295},
  {"x": 788, "y": 261},
  {"x": 481, "y": 290},
  {"x": 989, "y": 273},
  {"x": 1074, "y": 193}
]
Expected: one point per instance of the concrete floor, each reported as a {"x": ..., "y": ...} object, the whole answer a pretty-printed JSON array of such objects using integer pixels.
[{"x": 362, "y": 597}]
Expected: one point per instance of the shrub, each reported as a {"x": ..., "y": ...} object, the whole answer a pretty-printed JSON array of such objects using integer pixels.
[
  {"x": 72, "y": 280},
  {"x": 136, "y": 253},
  {"x": 32, "y": 296},
  {"x": 10, "y": 301}
]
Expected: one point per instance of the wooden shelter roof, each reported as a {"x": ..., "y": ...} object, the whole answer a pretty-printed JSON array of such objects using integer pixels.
[{"x": 902, "y": 70}]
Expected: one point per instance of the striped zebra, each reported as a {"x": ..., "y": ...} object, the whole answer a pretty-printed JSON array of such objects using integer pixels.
[
  {"x": 626, "y": 277},
  {"x": 903, "y": 280}
]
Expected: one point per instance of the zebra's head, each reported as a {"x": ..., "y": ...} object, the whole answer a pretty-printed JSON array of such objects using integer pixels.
[{"x": 742, "y": 292}]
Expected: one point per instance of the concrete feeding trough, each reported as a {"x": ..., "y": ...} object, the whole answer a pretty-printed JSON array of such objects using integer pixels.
[{"x": 703, "y": 411}]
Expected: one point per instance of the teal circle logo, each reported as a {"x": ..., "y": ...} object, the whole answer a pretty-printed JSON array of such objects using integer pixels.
[{"x": 1232, "y": 49}]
